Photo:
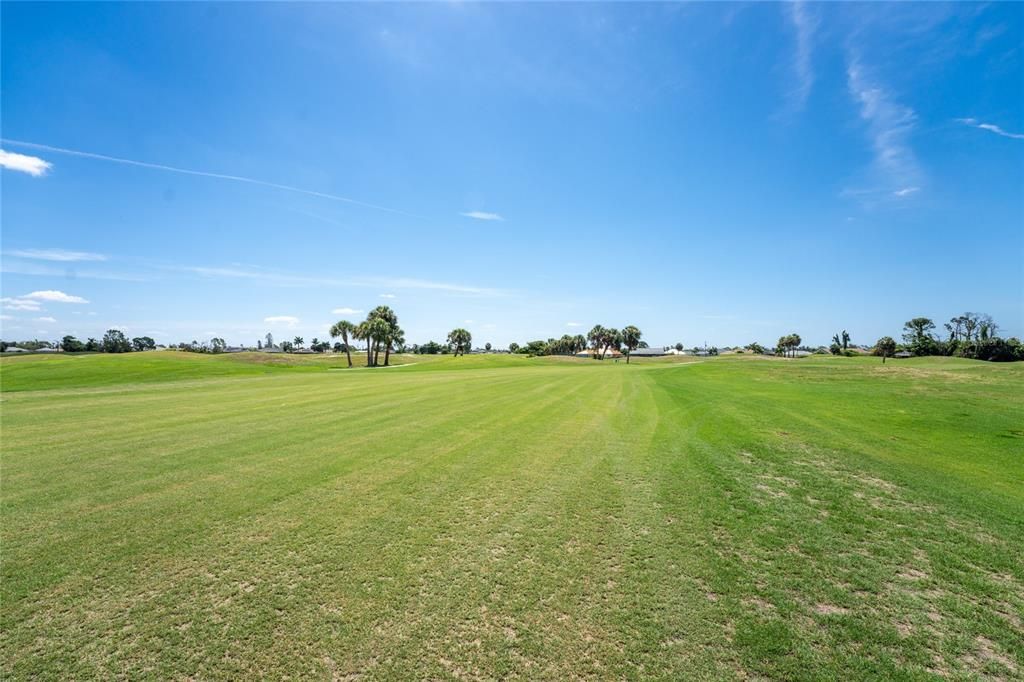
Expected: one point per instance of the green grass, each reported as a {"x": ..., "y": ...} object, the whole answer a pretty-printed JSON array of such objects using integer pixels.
[{"x": 171, "y": 516}]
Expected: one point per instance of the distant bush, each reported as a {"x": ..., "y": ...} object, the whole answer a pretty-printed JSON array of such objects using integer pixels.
[{"x": 992, "y": 350}]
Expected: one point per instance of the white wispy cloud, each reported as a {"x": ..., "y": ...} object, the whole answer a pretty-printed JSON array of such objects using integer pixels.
[
  {"x": 482, "y": 215},
  {"x": 285, "y": 320},
  {"x": 44, "y": 319},
  {"x": 6, "y": 317},
  {"x": 20, "y": 304},
  {"x": 277, "y": 278},
  {"x": 805, "y": 26},
  {"x": 890, "y": 125},
  {"x": 32, "y": 165},
  {"x": 991, "y": 127},
  {"x": 54, "y": 296},
  {"x": 906, "y": 191},
  {"x": 33, "y": 301},
  {"x": 388, "y": 296},
  {"x": 68, "y": 271},
  {"x": 189, "y": 171},
  {"x": 346, "y": 311},
  {"x": 573, "y": 324},
  {"x": 62, "y": 255}
]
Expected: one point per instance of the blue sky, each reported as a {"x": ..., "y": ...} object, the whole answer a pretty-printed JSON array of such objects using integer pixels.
[{"x": 710, "y": 173}]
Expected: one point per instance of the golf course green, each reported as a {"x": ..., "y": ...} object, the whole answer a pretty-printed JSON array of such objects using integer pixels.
[{"x": 176, "y": 516}]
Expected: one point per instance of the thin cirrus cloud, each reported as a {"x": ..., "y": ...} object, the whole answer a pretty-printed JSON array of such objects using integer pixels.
[
  {"x": 481, "y": 215},
  {"x": 284, "y": 279},
  {"x": 388, "y": 296},
  {"x": 188, "y": 171},
  {"x": 573, "y": 324},
  {"x": 22, "y": 163},
  {"x": 345, "y": 311},
  {"x": 990, "y": 127},
  {"x": 21, "y": 267},
  {"x": 805, "y": 26},
  {"x": 906, "y": 191},
  {"x": 20, "y": 304},
  {"x": 61, "y": 255},
  {"x": 889, "y": 126},
  {"x": 45, "y": 319},
  {"x": 284, "y": 320}
]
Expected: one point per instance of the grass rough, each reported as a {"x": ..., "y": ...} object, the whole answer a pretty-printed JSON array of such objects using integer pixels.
[{"x": 178, "y": 516}]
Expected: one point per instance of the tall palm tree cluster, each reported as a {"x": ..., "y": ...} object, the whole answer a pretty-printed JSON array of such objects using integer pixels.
[
  {"x": 379, "y": 330},
  {"x": 604, "y": 339},
  {"x": 460, "y": 340},
  {"x": 788, "y": 344},
  {"x": 567, "y": 345}
]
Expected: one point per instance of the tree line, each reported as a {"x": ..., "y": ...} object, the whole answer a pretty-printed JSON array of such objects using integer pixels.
[
  {"x": 970, "y": 335},
  {"x": 113, "y": 341}
]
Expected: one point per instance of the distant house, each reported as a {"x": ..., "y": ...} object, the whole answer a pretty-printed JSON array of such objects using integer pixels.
[
  {"x": 272, "y": 349},
  {"x": 15, "y": 349},
  {"x": 49, "y": 350},
  {"x": 901, "y": 354},
  {"x": 650, "y": 352},
  {"x": 303, "y": 351},
  {"x": 590, "y": 352},
  {"x": 235, "y": 349}
]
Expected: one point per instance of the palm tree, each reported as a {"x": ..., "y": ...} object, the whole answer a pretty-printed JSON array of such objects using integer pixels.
[
  {"x": 596, "y": 338},
  {"x": 396, "y": 338},
  {"x": 298, "y": 341},
  {"x": 362, "y": 333},
  {"x": 460, "y": 341},
  {"x": 612, "y": 337},
  {"x": 380, "y": 331},
  {"x": 383, "y": 330},
  {"x": 630, "y": 339},
  {"x": 343, "y": 328},
  {"x": 885, "y": 347}
]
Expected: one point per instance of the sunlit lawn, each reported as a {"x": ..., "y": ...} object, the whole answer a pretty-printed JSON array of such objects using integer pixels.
[{"x": 173, "y": 516}]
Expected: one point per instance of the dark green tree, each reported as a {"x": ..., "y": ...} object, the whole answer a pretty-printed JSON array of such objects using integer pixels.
[{"x": 114, "y": 341}]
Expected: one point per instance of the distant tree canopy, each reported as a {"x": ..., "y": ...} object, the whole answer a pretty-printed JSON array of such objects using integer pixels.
[
  {"x": 460, "y": 341},
  {"x": 886, "y": 347},
  {"x": 969, "y": 335},
  {"x": 917, "y": 335},
  {"x": 840, "y": 343},
  {"x": 788, "y": 344},
  {"x": 71, "y": 345},
  {"x": 630, "y": 337},
  {"x": 430, "y": 348},
  {"x": 141, "y": 343},
  {"x": 114, "y": 341},
  {"x": 604, "y": 339}
]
